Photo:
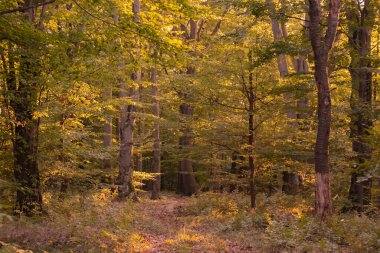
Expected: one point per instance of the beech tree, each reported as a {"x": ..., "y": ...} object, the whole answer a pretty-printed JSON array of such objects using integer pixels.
[
  {"x": 321, "y": 47},
  {"x": 23, "y": 85},
  {"x": 127, "y": 122},
  {"x": 361, "y": 19},
  {"x": 156, "y": 135}
]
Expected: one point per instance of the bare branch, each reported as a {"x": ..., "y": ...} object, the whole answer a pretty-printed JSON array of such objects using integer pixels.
[{"x": 25, "y": 8}]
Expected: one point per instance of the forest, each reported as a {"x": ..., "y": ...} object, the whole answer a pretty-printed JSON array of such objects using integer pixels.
[{"x": 189, "y": 126}]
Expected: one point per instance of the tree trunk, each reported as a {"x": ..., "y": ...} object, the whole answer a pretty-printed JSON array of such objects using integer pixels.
[
  {"x": 127, "y": 121},
  {"x": 156, "y": 134},
  {"x": 23, "y": 93},
  {"x": 107, "y": 138},
  {"x": 278, "y": 36},
  {"x": 300, "y": 66},
  {"x": 25, "y": 144},
  {"x": 360, "y": 23},
  {"x": 251, "y": 100},
  {"x": 139, "y": 124},
  {"x": 321, "y": 47},
  {"x": 186, "y": 179}
]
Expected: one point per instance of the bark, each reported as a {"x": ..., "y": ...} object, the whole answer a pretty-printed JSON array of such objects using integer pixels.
[
  {"x": 361, "y": 22},
  {"x": 251, "y": 100},
  {"x": 107, "y": 138},
  {"x": 278, "y": 36},
  {"x": 321, "y": 47},
  {"x": 156, "y": 187},
  {"x": 23, "y": 93},
  {"x": 25, "y": 145},
  {"x": 127, "y": 121},
  {"x": 186, "y": 179},
  {"x": 138, "y": 151}
]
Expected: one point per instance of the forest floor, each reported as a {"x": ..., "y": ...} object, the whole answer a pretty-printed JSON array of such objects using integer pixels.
[{"x": 211, "y": 222}]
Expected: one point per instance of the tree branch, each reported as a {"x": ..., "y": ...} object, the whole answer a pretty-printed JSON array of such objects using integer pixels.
[{"x": 25, "y": 8}]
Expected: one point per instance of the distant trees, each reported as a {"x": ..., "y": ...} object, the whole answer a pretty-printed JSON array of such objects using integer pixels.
[{"x": 202, "y": 82}]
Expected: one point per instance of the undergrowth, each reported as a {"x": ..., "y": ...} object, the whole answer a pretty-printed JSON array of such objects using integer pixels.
[{"x": 211, "y": 222}]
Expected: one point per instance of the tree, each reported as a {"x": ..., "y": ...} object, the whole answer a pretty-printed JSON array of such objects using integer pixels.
[
  {"x": 24, "y": 85},
  {"x": 156, "y": 135},
  {"x": 127, "y": 120},
  {"x": 291, "y": 180},
  {"x": 186, "y": 179},
  {"x": 321, "y": 48},
  {"x": 361, "y": 20}
]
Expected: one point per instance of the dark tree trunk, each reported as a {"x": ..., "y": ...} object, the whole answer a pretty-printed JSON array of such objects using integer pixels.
[
  {"x": 23, "y": 100},
  {"x": 23, "y": 93},
  {"x": 107, "y": 138},
  {"x": 156, "y": 187},
  {"x": 360, "y": 23},
  {"x": 251, "y": 99},
  {"x": 186, "y": 179},
  {"x": 321, "y": 47}
]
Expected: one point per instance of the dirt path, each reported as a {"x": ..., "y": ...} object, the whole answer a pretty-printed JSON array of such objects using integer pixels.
[
  {"x": 164, "y": 211},
  {"x": 183, "y": 232},
  {"x": 169, "y": 225}
]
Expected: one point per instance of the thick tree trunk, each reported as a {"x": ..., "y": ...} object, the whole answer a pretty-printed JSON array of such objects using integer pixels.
[
  {"x": 126, "y": 148},
  {"x": 23, "y": 99},
  {"x": 186, "y": 179},
  {"x": 127, "y": 121},
  {"x": 156, "y": 187},
  {"x": 323, "y": 190},
  {"x": 23, "y": 93},
  {"x": 361, "y": 22},
  {"x": 321, "y": 47}
]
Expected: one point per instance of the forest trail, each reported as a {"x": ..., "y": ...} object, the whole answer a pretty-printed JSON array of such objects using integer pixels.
[
  {"x": 184, "y": 232},
  {"x": 208, "y": 223},
  {"x": 98, "y": 224}
]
